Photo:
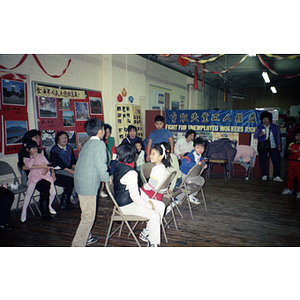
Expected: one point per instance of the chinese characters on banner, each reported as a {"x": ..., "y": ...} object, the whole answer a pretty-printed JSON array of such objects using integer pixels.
[
  {"x": 238, "y": 121},
  {"x": 13, "y": 111},
  {"x": 66, "y": 114}
]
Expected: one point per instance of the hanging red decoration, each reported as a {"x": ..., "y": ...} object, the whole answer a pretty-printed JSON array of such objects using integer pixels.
[
  {"x": 164, "y": 55},
  {"x": 195, "y": 86},
  {"x": 183, "y": 62},
  {"x": 39, "y": 64},
  {"x": 120, "y": 98}
]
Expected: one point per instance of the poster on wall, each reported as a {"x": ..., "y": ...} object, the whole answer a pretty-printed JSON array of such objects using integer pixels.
[
  {"x": 14, "y": 131},
  {"x": 58, "y": 111},
  {"x": 159, "y": 97},
  {"x": 13, "y": 111}
]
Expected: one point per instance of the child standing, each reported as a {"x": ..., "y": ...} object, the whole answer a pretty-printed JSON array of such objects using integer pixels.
[
  {"x": 91, "y": 169},
  {"x": 294, "y": 166},
  {"x": 131, "y": 200},
  {"x": 139, "y": 159},
  {"x": 188, "y": 162},
  {"x": 159, "y": 135},
  {"x": 37, "y": 159}
]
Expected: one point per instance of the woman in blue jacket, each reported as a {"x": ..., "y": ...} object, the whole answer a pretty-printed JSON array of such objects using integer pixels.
[{"x": 264, "y": 131}]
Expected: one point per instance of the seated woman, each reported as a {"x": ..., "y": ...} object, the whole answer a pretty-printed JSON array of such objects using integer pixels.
[
  {"x": 62, "y": 156},
  {"x": 132, "y": 137},
  {"x": 131, "y": 200},
  {"x": 184, "y": 145},
  {"x": 43, "y": 186}
]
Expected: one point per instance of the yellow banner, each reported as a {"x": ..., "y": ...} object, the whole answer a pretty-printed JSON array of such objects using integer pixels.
[{"x": 41, "y": 90}]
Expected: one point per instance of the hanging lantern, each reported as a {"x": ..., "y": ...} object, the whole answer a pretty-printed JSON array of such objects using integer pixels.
[
  {"x": 120, "y": 98},
  {"x": 183, "y": 62},
  {"x": 124, "y": 93}
]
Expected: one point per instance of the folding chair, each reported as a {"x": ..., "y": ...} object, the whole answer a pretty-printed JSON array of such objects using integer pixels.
[
  {"x": 10, "y": 176},
  {"x": 146, "y": 171},
  {"x": 189, "y": 188},
  {"x": 167, "y": 198},
  {"x": 118, "y": 216}
]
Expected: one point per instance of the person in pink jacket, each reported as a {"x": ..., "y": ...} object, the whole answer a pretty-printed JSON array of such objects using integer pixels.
[{"x": 40, "y": 171}]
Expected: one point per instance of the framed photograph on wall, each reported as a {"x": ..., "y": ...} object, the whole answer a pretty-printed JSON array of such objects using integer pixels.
[
  {"x": 47, "y": 107},
  {"x": 83, "y": 137},
  {"x": 14, "y": 132},
  {"x": 48, "y": 139},
  {"x": 81, "y": 111},
  {"x": 64, "y": 104},
  {"x": 68, "y": 118},
  {"x": 95, "y": 105},
  {"x": 72, "y": 139},
  {"x": 13, "y": 92}
]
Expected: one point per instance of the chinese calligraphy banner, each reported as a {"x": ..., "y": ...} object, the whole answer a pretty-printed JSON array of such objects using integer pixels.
[
  {"x": 47, "y": 91},
  {"x": 240, "y": 121}
]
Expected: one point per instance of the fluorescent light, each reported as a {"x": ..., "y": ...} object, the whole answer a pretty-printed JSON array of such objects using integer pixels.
[
  {"x": 266, "y": 77},
  {"x": 273, "y": 89}
]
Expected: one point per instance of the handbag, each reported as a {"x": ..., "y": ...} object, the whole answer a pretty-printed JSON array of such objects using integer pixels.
[{"x": 264, "y": 146}]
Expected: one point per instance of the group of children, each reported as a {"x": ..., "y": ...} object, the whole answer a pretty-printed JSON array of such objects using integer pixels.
[{"x": 91, "y": 169}]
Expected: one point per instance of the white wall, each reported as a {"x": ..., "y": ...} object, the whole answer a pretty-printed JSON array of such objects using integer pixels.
[{"x": 108, "y": 73}]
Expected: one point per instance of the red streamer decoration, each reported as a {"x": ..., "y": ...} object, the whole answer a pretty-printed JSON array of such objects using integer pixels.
[
  {"x": 39, "y": 64},
  {"x": 274, "y": 72},
  {"x": 195, "y": 87},
  {"x": 19, "y": 63}
]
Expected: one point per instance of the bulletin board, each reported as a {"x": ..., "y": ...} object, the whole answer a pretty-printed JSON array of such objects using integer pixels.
[
  {"x": 66, "y": 109},
  {"x": 128, "y": 114},
  {"x": 13, "y": 111},
  {"x": 159, "y": 98}
]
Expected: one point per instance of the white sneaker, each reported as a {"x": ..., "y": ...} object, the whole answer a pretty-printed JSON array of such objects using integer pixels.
[
  {"x": 144, "y": 235},
  {"x": 298, "y": 195},
  {"x": 277, "y": 179},
  {"x": 103, "y": 195},
  {"x": 168, "y": 209},
  {"x": 23, "y": 217},
  {"x": 178, "y": 202},
  {"x": 265, "y": 177},
  {"x": 193, "y": 199},
  {"x": 287, "y": 192}
]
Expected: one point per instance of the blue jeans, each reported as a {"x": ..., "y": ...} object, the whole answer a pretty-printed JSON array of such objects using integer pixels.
[{"x": 275, "y": 157}]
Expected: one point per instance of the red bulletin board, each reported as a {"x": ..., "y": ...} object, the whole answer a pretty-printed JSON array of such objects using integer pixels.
[
  {"x": 70, "y": 115},
  {"x": 13, "y": 110}
]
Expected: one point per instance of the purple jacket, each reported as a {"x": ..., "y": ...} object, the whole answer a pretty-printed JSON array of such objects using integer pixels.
[{"x": 273, "y": 129}]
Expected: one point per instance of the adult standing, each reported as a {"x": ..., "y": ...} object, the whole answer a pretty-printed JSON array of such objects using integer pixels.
[
  {"x": 185, "y": 144},
  {"x": 62, "y": 156},
  {"x": 267, "y": 130}
]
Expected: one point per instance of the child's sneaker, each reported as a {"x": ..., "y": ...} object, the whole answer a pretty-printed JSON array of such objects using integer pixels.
[
  {"x": 178, "y": 202},
  {"x": 92, "y": 240},
  {"x": 152, "y": 245},
  {"x": 287, "y": 192},
  {"x": 193, "y": 199},
  {"x": 144, "y": 235},
  {"x": 298, "y": 195}
]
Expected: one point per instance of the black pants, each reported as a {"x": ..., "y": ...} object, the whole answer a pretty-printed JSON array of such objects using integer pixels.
[
  {"x": 43, "y": 186},
  {"x": 6, "y": 201},
  {"x": 65, "y": 182}
]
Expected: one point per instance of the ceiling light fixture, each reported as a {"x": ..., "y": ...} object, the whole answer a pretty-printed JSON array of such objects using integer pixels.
[
  {"x": 266, "y": 77},
  {"x": 273, "y": 89}
]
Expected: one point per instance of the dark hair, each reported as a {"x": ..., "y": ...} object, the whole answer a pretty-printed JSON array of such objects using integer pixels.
[
  {"x": 160, "y": 148},
  {"x": 159, "y": 118},
  {"x": 130, "y": 127},
  {"x": 32, "y": 144},
  {"x": 292, "y": 119},
  {"x": 106, "y": 126},
  {"x": 297, "y": 131},
  {"x": 59, "y": 134},
  {"x": 138, "y": 142},
  {"x": 92, "y": 126},
  {"x": 199, "y": 141},
  {"x": 266, "y": 114},
  {"x": 30, "y": 134},
  {"x": 191, "y": 131},
  {"x": 126, "y": 153}
]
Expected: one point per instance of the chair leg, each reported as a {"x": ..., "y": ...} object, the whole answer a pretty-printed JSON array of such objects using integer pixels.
[
  {"x": 127, "y": 224},
  {"x": 164, "y": 232},
  {"x": 108, "y": 232},
  {"x": 203, "y": 197}
]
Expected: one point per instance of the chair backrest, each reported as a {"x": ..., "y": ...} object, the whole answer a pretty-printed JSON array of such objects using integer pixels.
[
  {"x": 8, "y": 172},
  {"x": 146, "y": 171},
  {"x": 166, "y": 183},
  {"x": 110, "y": 190},
  {"x": 195, "y": 171}
]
